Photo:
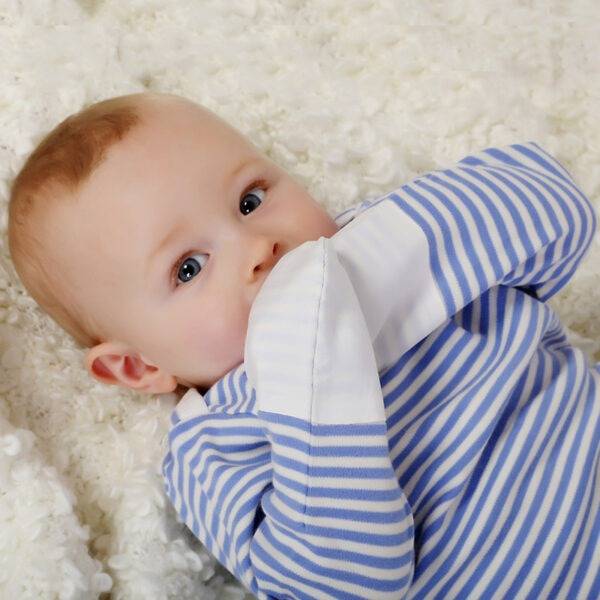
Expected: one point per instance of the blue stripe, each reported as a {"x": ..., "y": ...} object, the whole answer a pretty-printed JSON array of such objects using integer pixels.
[
  {"x": 535, "y": 156},
  {"x": 340, "y": 472},
  {"x": 317, "y": 429},
  {"x": 366, "y": 559},
  {"x": 357, "y": 449},
  {"x": 308, "y": 566}
]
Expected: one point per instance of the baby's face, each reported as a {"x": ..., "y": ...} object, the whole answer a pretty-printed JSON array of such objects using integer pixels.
[{"x": 174, "y": 234}]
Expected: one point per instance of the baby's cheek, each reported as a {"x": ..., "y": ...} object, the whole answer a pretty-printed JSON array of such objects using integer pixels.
[
  {"x": 219, "y": 339},
  {"x": 318, "y": 223}
]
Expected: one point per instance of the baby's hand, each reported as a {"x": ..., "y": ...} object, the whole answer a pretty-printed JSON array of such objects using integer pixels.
[{"x": 307, "y": 338}]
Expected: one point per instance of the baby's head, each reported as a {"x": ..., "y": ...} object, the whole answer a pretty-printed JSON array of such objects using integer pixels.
[{"x": 145, "y": 225}]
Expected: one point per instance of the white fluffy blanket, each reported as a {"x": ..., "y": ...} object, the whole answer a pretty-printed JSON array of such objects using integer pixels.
[{"x": 354, "y": 97}]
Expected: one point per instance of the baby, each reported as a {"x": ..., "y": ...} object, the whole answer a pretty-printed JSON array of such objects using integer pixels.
[{"x": 383, "y": 405}]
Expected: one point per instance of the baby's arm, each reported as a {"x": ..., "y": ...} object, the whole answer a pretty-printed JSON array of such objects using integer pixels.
[
  {"x": 504, "y": 216},
  {"x": 301, "y": 501}
]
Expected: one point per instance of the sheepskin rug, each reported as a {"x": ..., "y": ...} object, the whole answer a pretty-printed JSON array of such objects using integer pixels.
[{"x": 354, "y": 97}]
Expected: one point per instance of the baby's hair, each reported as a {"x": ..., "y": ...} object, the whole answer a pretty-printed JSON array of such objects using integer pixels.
[{"x": 62, "y": 161}]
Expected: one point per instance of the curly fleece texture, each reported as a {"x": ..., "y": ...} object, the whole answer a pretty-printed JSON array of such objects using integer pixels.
[{"x": 354, "y": 97}]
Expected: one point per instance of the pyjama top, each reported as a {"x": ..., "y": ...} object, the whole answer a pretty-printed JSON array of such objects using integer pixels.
[{"x": 409, "y": 420}]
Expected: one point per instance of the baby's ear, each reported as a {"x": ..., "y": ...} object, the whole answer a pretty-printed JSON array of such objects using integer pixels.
[{"x": 114, "y": 363}]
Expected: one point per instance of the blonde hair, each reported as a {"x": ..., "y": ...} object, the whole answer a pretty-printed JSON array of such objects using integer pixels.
[{"x": 62, "y": 161}]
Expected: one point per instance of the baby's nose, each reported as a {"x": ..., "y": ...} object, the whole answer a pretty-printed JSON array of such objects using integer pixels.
[
  {"x": 269, "y": 259},
  {"x": 262, "y": 268}
]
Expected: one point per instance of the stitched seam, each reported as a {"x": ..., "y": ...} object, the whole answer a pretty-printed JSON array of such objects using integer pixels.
[{"x": 312, "y": 379}]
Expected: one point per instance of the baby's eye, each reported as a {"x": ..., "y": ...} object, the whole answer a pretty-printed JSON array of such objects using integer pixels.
[
  {"x": 188, "y": 268},
  {"x": 250, "y": 198}
]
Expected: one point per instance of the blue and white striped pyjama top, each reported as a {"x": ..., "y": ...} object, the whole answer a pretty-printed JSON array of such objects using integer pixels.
[{"x": 410, "y": 420}]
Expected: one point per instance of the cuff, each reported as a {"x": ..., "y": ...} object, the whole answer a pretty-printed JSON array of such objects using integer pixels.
[{"x": 386, "y": 255}]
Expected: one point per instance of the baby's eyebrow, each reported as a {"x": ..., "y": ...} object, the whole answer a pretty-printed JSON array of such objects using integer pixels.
[
  {"x": 163, "y": 245},
  {"x": 241, "y": 167}
]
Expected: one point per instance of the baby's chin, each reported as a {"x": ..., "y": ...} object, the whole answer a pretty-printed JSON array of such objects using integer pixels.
[{"x": 205, "y": 385}]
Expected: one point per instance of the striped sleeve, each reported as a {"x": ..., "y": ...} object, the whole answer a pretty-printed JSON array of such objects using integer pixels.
[
  {"x": 505, "y": 216},
  {"x": 293, "y": 511},
  {"x": 335, "y": 522},
  {"x": 216, "y": 470}
]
